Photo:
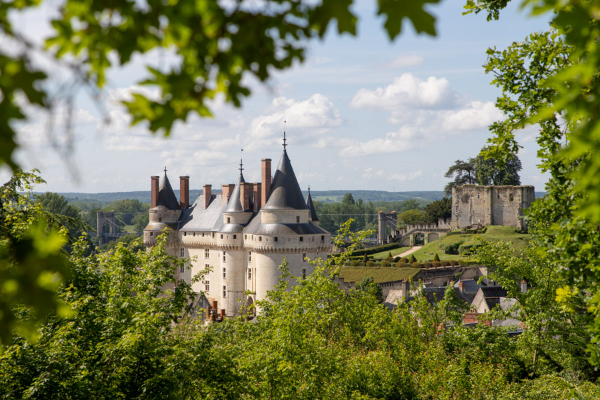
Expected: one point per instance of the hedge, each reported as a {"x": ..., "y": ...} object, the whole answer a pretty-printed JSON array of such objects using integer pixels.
[{"x": 376, "y": 249}]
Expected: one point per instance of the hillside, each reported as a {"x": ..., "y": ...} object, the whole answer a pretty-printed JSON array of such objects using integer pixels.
[{"x": 379, "y": 274}]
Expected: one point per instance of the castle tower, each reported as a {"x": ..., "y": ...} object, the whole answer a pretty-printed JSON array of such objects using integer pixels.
[
  {"x": 313, "y": 212},
  {"x": 164, "y": 215}
]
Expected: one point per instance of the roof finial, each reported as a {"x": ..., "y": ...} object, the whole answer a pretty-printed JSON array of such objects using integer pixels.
[
  {"x": 308, "y": 189},
  {"x": 284, "y": 139},
  {"x": 241, "y": 161},
  {"x": 165, "y": 169}
]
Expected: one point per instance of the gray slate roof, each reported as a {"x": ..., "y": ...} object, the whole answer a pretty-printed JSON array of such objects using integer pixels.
[
  {"x": 311, "y": 207},
  {"x": 166, "y": 196},
  {"x": 285, "y": 191},
  {"x": 235, "y": 204}
]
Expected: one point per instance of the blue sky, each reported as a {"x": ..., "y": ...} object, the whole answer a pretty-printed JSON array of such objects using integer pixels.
[{"x": 362, "y": 113}]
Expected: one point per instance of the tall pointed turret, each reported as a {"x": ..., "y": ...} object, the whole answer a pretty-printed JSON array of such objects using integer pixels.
[
  {"x": 311, "y": 207},
  {"x": 285, "y": 192},
  {"x": 166, "y": 196},
  {"x": 235, "y": 202}
]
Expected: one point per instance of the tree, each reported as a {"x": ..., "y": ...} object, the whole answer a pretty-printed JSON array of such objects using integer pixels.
[
  {"x": 412, "y": 217},
  {"x": 66, "y": 214},
  {"x": 348, "y": 199},
  {"x": 438, "y": 209},
  {"x": 463, "y": 172},
  {"x": 488, "y": 171},
  {"x": 215, "y": 44},
  {"x": 368, "y": 285}
]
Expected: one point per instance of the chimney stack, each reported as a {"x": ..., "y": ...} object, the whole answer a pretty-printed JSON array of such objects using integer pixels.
[
  {"x": 245, "y": 195},
  {"x": 207, "y": 191},
  {"x": 227, "y": 189},
  {"x": 266, "y": 181},
  {"x": 461, "y": 286},
  {"x": 405, "y": 285},
  {"x": 222, "y": 314},
  {"x": 523, "y": 286},
  {"x": 184, "y": 191},
  {"x": 256, "y": 196},
  {"x": 154, "y": 191}
]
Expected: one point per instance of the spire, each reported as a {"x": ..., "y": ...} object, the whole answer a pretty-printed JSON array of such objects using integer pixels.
[
  {"x": 166, "y": 196},
  {"x": 241, "y": 161},
  {"x": 284, "y": 139},
  {"x": 235, "y": 204},
  {"x": 285, "y": 191},
  {"x": 311, "y": 207}
]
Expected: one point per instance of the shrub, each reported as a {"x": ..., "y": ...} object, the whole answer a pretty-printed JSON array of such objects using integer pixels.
[
  {"x": 436, "y": 264},
  {"x": 354, "y": 263},
  {"x": 365, "y": 258},
  {"x": 444, "y": 263},
  {"x": 416, "y": 264},
  {"x": 376, "y": 249},
  {"x": 370, "y": 264},
  {"x": 468, "y": 249},
  {"x": 389, "y": 259},
  {"x": 390, "y": 255},
  {"x": 412, "y": 259},
  {"x": 401, "y": 264},
  {"x": 452, "y": 248},
  {"x": 471, "y": 231},
  {"x": 397, "y": 259},
  {"x": 427, "y": 265},
  {"x": 436, "y": 257},
  {"x": 454, "y": 262},
  {"x": 386, "y": 264}
]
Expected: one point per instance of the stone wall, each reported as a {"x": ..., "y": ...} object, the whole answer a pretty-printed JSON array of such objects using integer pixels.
[{"x": 490, "y": 205}]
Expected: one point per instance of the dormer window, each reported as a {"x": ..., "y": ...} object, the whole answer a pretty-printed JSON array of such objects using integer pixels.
[
  {"x": 301, "y": 239},
  {"x": 297, "y": 220},
  {"x": 275, "y": 238},
  {"x": 228, "y": 220}
]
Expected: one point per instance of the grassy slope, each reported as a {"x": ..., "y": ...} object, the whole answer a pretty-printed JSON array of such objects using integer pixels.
[
  {"x": 493, "y": 234},
  {"x": 384, "y": 254},
  {"x": 379, "y": 274}
]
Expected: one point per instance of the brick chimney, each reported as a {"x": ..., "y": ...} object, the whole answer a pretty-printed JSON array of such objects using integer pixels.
[
  {"x": 245, "y": 189},
  {"x": 154, "y": 191},
  {"x": 461, "y": 286},
  {"x": 184, "y": 191},
  {"x": 266, "y": 181},
  {"x": 523, "y": 286},
  {"x": 207, "y": 190},
  {"x": 256, "y": 196},
  {"x": 227, "y": 189}
]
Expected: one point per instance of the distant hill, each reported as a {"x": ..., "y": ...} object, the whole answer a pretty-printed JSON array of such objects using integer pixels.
[{"x": 327, "y": 196}]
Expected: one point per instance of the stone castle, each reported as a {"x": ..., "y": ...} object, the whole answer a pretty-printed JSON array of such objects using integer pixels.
[{"x": 241, "y": 235}]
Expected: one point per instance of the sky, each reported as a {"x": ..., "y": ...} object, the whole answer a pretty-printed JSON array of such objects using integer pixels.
[{"x": 362, "y": 113}]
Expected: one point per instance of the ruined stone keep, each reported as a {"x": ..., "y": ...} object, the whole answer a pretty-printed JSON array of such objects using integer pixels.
[
  {"x": 241, "y": 235},
  {"x": 490, "y": 205}
]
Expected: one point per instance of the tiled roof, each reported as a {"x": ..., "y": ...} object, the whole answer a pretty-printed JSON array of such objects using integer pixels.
[
  {"x": 285, "y": 192},
  {"x": 166, "y": 196}
]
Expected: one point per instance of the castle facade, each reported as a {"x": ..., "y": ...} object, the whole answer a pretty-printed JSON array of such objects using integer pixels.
[{"x": 241, "y": 235}]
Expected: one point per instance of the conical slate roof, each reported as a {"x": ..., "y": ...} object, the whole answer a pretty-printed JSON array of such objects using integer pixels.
[
  {"x": 235, "y": 204},
  {"x": 285, "y": 192},
  {"x": 166, "y": 197},
  {"x": 311, "y": 207}
]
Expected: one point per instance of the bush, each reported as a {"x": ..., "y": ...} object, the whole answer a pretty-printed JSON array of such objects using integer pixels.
[
  {"x": 412, "y": 259},
  {"x": 401, "y": 264},
  {"x": 454, "y": 262},
  {"x": 389, "y": 259},
  {"x": 436, "y": 264},
  {"x": 370, "y": 264},
  {"x": 376, "y": 249},
  {"x": 386, "y": 264},
  {"x": 397, "y": 259},
  {"x": 468, "y": 249},
  {"x": 354, "y": 263},
  {"x": 365, "y": 258},
  {"x": 427, "y": 265},
  {"x": 471, "y": 231},
  {"x": 444, "y": 263},
  {"x": 417, "y": 264},
  {"x": 390, "y": 255},
  {"x": 452, "y": 248},
  {"x": 436, "y": 257}
]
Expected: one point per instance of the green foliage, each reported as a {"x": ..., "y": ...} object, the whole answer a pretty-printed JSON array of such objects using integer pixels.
[
  {"x": 386, "y": 264},
  {"x": 369, "y": 286},
  {"x": 436, "y": 257},
  {"x": 462, "y": 173},
  {"x": 412, "y": 259},
  {"x": 489, "y": 171},
  {"x": 439, "y": 209},
  {"x": 376, "y": 249},
  {"x": 412, "y": 217}
]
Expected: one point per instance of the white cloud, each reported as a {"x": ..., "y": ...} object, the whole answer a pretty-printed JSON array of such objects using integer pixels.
[
  {"x": 394, "y": 142},
  {"x": 474, "y": 115},
  {"x": 406, "y": 61},
  {"x": 405, "y": 177},
  {"x": 408, "y": 91}
]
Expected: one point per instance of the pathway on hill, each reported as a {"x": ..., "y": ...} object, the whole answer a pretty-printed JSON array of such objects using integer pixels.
[{"x": 409, "y": 252}]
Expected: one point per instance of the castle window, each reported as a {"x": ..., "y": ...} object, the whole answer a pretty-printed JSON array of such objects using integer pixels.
[
  {"x": 221, "y": 236},
  {"x": 194, "y": 234},
  {"x": 260, "y": 238},
  {"x": 184, "y": 233},
  {"x": 465, "y": 198},
  {"x": 235, "y": 236},
  {"x": 206, "y": 286},
  {"x": 322, "y": 238},
  {"x": 213, "y": 235},
  {"x": 249, "y": 273},
  {"x": 228, "y": 220},
  {"x": 224, "y": 260},
  {"x": 206, "y": 267},
  {"x": 181, "y": 269},
  {"x": 224, "y": 291},
  {"x": 160, "y": 220},
  {"x": 206, "y": 253},
  {"x": 202, "y": 234},
  {"x": 245, "y": 236},
  {"x": 498, "y": 195},
  {"x": 249, "y": 256},
  {"x": 303, "y": 273},
  {"x": 224, "y": 273},
  {"x": 182, "y": 252},
  {"x": 297, "y": 220},
  {"x": 301, "y": 239},
  {"x": 304, "y": 257},
  {"x": 511, "y": 197},
  {"x": 151, "y": 233},
  {"x": 275, "y": 239}
]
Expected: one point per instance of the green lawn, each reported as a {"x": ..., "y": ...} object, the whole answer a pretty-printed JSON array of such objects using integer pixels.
[
  {"x": 493, "y": 234},
  {"x": 129, "y": 229},
  {"x": 379, "y": 274},
  {"x": 384, "y": 254}
]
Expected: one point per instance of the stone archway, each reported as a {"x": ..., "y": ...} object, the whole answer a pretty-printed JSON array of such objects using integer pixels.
[
  {"x": 432, "y": 236},
  {"x": 250, "y": 309},
  {"x": 419, "y": 239}
]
